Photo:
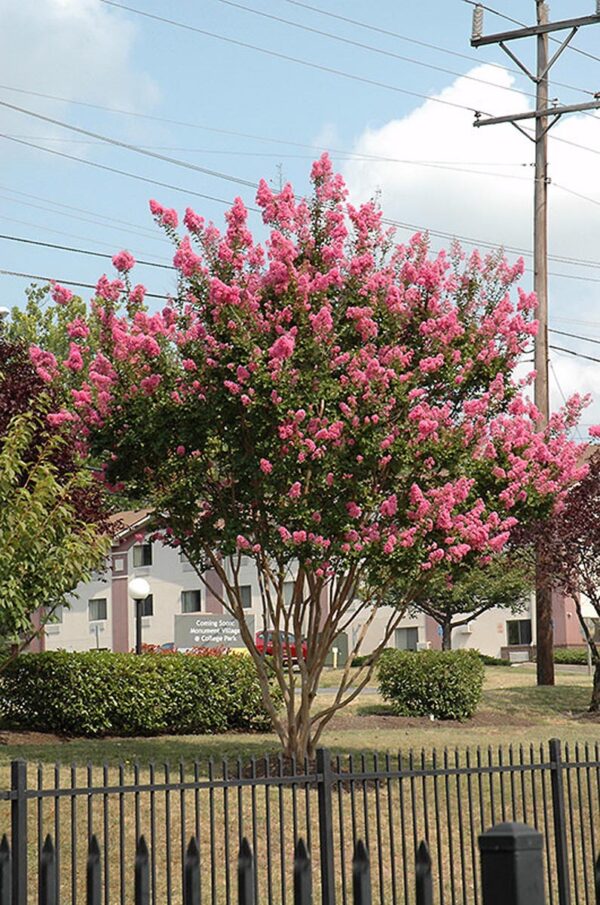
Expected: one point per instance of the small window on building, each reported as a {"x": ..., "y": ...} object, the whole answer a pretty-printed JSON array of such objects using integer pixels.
[
  {"x": 288, "y": 591},
  {"x": 148, "y": 606},
  {"x": 407, "y": 638},
  {"x": 142, "y": 555},
  {"x": 97, "y": 609},
  {"x": 246, "y": 596},
  {"x": 191, "y": 601},
  {"x": 518, "y": 631}
]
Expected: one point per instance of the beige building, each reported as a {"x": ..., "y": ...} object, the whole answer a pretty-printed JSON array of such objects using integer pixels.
[{"x": 102, "y": 615}]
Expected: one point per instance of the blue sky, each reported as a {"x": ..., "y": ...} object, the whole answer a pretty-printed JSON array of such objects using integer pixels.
[{"x": 87, "y": 51}]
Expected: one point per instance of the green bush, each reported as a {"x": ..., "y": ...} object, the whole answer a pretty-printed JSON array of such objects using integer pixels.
[
  {"x": 493, "y": 661},
  {"x": 575, "y": 656},
  {"x": 100, "y": 693},
  {"x": 444, "y": 684}
]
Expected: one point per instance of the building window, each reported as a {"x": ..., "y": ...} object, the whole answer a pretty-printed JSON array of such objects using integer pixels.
[
  {"x": 246, "y": 596},
  {"x": 288, "y": 592},
  {"x": 148, "y": 606},
  {"x": 97, "y": 609},
  {"x": 142, "y": 555},
  {"x": 407, "y": 638},
  {"x": 191, "y": 602},
  {"x": 518, "y": 631}
]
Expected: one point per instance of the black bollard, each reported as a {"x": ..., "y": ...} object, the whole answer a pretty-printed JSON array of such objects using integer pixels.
[{"x": 512, "y": 867}]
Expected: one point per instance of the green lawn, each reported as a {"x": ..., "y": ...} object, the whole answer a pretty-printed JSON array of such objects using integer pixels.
[{"x": 513, "y": 710}]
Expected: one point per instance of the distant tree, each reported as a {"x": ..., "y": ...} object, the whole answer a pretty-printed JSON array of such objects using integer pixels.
[
  {"x": 570, "y": 549},
  {"x": 53, "y": 521},
  {"x": 459, "y": 597}
]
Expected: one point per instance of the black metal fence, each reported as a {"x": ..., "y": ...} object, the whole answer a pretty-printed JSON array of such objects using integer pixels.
[
  {"x": 512, "y": 872},
  {"x": 390, "y": 802}
]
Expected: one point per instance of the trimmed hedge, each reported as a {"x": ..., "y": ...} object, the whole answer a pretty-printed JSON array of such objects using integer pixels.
[
  {"x": 576, "y": 656},
  {"x": 101, "y": 693},
  {"x": 444, "y": 684}
]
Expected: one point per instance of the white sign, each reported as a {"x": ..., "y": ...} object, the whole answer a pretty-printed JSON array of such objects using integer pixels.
[{"x": 209, "y": 630}]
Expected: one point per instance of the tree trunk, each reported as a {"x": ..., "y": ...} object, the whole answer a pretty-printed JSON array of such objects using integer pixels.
[
  {"x": 446, "y": 636},
  {"x": 595, "y": 702}
]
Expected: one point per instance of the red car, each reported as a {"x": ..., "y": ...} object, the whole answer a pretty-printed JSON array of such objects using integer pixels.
[{"x": 265, "y": 644}]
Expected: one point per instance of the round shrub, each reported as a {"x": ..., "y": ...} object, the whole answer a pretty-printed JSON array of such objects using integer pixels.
[
  {"x": 101, "y": 693},
  {"x": 444, "y": 684}
]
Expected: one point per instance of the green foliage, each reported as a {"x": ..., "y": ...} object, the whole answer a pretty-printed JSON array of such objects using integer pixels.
[
  {"x": 444, "y": 684},
  {"x": 47, "y": 542},
  {"x": 43, "y": 324},
  {"x": 571, "y": 656},
  {"x": 100, "y": 693},
  {"x": 493, "y": 661}
]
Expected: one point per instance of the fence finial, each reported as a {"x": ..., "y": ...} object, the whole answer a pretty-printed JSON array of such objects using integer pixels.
[
  {"x": 142, "y": 873},
  {"x": 361, "y": 875},
  {"x": 93, "y": 873},
  {"x": 302, "y": 875},
  {"x": 5, "y": 871},
  {"x": 48, "y": 873},
  {"x": 245, "y": 874},
  {"x": 423, "y": 875},
  {"x": 191, "y": 874}
]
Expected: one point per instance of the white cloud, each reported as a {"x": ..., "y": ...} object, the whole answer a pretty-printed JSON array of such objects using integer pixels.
[
  {"x": 70, "y": 48},
  {"x": 495, "y": 208}
]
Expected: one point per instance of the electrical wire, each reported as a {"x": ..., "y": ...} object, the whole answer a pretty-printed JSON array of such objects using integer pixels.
[
  {"x": 576, "y": 354},
  {"x": 411, "y": 40},
  {"x": 370, "y": 47},
  {"x": 282, "y": 56},
  {"x": 33, "y": 276},
  {"x": 102, "y": 166},
  {"x": 217, "y": 174},
  {"x": 587, "y": 339},
  {"x": 80, "y": 251},
  {"x": 189, "y": 125}
]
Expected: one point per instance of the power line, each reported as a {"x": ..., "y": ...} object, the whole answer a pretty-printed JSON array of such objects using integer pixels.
[
  {"x": 80, "y": 251},
  {"x": 217, "y": 174},
  {"x": 576, "y": 354},
  {"x": 33, "y": 276},
  {"x": 282, "y": 56},
  {"x": 189, "y": 125},
  {"x": 369, "y": 47},
  {"x": 576, "y": 194},
  {"x": 102, "y": 166},
  {"x": 470, "y": 240},
  {"x": 411, "y": 40},
  {"x": 587, "y": 339}
]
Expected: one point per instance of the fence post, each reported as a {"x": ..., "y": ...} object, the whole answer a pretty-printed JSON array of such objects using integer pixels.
[
  {"x": 560, "y": 822},
  {"x": 18, "y": 784},
  {"x": 141, "y": 889},
  {"x": 325, "y": 786},
  {"x": 512, "y": 865}
]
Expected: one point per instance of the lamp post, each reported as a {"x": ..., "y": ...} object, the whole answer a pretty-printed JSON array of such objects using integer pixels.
[{"x": 139, "y": 589}]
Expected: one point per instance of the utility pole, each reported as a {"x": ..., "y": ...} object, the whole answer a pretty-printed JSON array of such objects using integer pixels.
[{"x": 545, "y": 118}]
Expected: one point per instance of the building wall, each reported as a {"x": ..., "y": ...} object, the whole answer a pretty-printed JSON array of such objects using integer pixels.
[{"x": 170, "y": 574}]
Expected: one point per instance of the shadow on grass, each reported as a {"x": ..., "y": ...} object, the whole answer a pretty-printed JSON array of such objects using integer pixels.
[{"x": 548, "y": 701}]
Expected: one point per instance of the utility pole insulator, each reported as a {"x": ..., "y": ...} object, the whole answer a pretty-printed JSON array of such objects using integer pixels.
[{"x": 478, "y": 21}]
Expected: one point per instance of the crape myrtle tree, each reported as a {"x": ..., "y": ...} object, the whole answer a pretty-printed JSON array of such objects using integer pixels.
[
  {"x": 459, "y": 595},
  {"x": 570, "y": 549},
  {"x": 53, "y": 523},
  {"x": 336, "y": 407}
]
